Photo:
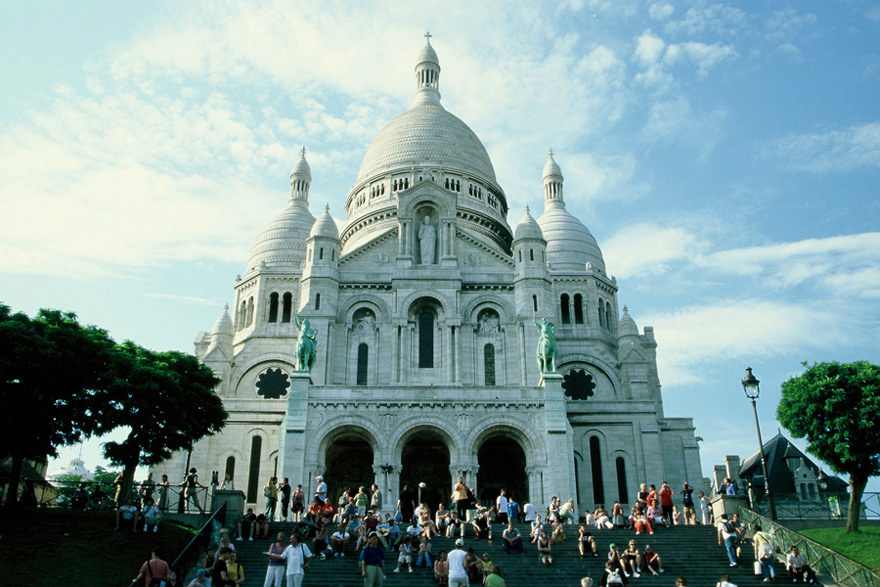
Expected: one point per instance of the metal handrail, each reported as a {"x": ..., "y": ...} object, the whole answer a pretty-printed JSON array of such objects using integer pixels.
[
  {"x": 204, "y": 536},
  {"x": 828, "y": 506},
  {"x": 841, "y": 569}
]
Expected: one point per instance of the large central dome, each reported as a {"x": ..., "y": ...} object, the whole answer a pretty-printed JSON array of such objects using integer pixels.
[{"x": 426, "y": 134}]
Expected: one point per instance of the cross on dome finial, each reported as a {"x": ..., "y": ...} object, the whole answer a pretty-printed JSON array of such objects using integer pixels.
[
  {"x": 550, "y": 153},
  {"x": 303, "y": 151},
  {"x": 428, "y": 36}
]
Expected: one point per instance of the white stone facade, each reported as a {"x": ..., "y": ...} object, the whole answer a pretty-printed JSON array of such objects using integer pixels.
[{"x": 426, "y": 364}]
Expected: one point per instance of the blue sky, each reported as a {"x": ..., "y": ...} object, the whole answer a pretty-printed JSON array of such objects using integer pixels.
[{"x": 725, "y": 156}]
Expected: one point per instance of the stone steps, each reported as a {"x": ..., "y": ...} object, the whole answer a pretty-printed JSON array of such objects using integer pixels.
[{"x": 689, "y": 551}]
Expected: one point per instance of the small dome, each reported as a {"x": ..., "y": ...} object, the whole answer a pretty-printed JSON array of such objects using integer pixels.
[
  {"x": 570, "y": 245},
  {"x": 627, "y": 326},
  {"x": 223, "y": 325},
  {"x": 325, "y": 225},
  {"x": 283, "y": 240},
  {"x": 427, "y": 55},
  {"x": 527, "y": 228},
  {"x": 551, "y": 168},
  {"x": 302, "y": 169}
]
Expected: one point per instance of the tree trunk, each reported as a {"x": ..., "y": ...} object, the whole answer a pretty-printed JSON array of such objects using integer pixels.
[
  {"x": 856, "y": 489},
  {"x": 14, "y": 481},
  {"x": 128, "y": 471}
]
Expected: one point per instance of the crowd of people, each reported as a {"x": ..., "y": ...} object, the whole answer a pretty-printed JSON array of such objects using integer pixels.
[{"x": 356, "y": 526}]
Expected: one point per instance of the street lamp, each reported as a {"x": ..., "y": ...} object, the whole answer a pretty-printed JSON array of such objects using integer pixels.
[{"x": 751, "y": 386}]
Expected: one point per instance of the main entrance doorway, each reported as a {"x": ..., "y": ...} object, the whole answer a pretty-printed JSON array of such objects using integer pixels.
[
  {"x": 349, "y": 464},
  {"x": 425, "y": 459},
  {"x": 502, "y": 466}
]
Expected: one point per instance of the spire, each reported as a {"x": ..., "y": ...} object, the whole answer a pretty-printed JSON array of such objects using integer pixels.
[
  {"x": 300, "y": 178},
  {"x": 427, "y": 75},
  {"x": 552, "y": 181}
]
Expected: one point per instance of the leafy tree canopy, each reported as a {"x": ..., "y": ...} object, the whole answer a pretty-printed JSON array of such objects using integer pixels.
[
  {"x": 167, "y": 400},
  {"x": 836, "y": 407},
  {"x": 51, "y": 376}
]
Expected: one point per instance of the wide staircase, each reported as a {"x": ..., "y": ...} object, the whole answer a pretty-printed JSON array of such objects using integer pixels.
[{"x": 689, "y": 551}]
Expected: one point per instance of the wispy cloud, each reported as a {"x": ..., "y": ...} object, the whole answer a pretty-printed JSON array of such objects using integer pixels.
[
  {"x": 822, "y": 152},
  {"x": 728, "y": 329},
  {"x": 191, "y": 300}
]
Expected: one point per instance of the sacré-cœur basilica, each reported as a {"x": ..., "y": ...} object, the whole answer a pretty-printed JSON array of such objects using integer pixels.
[{"x": 425, "y": 309}]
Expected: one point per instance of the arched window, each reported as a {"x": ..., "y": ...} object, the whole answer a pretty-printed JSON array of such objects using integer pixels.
[
  {"x": 609, "y": 317},
  {"x": 320, "y": 253},
  {"x": 601, "y": 313},
  {"x": 426, "y": 340},
  {"x": 317, "y": 301},
  {"x": 578, "y": 309},
  {"x": 230, "y": 467},
  {"x": 531, "y": 254},
  {"x": 250, "y": 311},
  {"x": 535, "y": 303},
  {"x": 363, "y": 363},
  {"x": 253, "y": 484},
  {"x": 286, "y": 307},
  {"x": 489, "y": 364},
  {"x": 622, "y": 493},
  {"x": 563, "y": 305},
  {"x": 596, "y": 466},
  {"x": 242, "y": 315},
  {"x": 273, "y": 307}
]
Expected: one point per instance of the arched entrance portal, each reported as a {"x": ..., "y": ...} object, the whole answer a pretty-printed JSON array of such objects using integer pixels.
[
  {"x": 349, "y": 464},
  {"x": 502, "y": 466},
  {"x": 425, "y": 459}
]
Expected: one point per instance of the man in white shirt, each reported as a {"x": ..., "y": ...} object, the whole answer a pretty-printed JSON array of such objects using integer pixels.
[
  {"x": 457, "y": 572},
  {"x": 297, "y": 556},
  {"x": 501, "y": 508},
  {"x": 321, "y": 489},
  {"x": 531, "y": 512},
  {"x": 727, "y": 535}
]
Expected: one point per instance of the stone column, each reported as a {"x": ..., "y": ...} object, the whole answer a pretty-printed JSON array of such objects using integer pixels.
[
  {"x": 559, "y": 471},
  {"x": 292, "y": 437},
  {"x": 395, "y": 353},
  {"x": 449, "y": 354}
]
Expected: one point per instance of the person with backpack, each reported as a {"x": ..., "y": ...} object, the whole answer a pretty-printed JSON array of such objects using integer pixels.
[
  {"x": 727, "y": 537},
  {"x": 153, "y": 571}
]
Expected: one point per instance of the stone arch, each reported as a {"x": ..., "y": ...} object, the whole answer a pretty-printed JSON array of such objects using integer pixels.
[
  {"x": 412, "y": 426},
  {"x": 412, "y": 303},
  {"x": 345, "y": 425},
  {"x": 346, "y": 454},
  {"x": 502, "y": 454},
  {"x": 569, "y": 361},
  {"x": 246, "y": 368},
  {"x": 425, "y": 452},
  {"x": 426, "y": 194},
  {"x": 346, "y": 310},
  {"x": 473, "y": 308},
  {"x": 486, "y": 428}
]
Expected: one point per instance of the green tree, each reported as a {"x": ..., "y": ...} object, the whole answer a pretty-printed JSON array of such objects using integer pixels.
[
  {"x": 52, "y": 373},
  {"x": 167, "y": 401},
  {"x": 837, "y": 407}
]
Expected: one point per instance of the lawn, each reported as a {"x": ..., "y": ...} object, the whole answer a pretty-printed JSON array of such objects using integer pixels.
[
  {"x": 862, "y": 547},
  {"x": 50, "y": 547}
]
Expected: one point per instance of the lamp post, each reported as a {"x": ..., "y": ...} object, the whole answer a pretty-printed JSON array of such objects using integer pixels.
[{"x": 753, "y": 390}]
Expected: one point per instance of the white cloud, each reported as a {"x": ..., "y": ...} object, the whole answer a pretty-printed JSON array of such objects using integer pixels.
[
  {"x": 749, "y": 328},
  {"x": 717, "y": 19},
  {"x": 835, "y": 150},
  {"x": 657, "y": 57},
  {"x": 646, "y": 250},
  {"x": 674, "y": 121},
  {"x": 660, "y": 11}
]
